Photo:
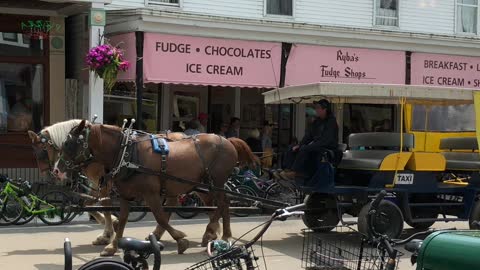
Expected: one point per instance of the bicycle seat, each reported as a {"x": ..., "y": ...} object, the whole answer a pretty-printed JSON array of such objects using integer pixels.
[
  {"x": 414, "y": 245},
  {"x": 139, "y": 246}
]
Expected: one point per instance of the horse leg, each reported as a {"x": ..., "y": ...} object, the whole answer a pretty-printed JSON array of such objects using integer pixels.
[
  {"x": 122, "y": 221},
  {"x": 154, "y": 201},
  {"x": 213, "y": 226},
  {"x": 108, "y": 231},
  {"x": 224, "y": 207},
  {"x": 159, "y": 230}
]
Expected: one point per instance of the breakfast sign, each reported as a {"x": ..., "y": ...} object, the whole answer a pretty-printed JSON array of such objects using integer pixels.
[
  {"x": 206, "y": 61},
  {"x": 445, "y": 70},
  {"x": 313, "y": 64}
]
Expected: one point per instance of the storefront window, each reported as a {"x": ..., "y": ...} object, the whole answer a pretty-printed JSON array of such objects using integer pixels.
[
  {"x": 443, "y": 118},
  {"x": 21, "y": 97},
  {"x": 18, "y": 44}
]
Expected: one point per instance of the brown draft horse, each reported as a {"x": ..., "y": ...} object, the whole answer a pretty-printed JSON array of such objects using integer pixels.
[
  {"x": 189, "y": 159},
  {"x": 47, "y": 145}
]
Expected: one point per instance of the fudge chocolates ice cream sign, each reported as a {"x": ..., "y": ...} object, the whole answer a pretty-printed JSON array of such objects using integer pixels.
[
  {"x": 445, "y": 70},
  {"x": 312, "y": 64},
  {"x": 205, "y": 61}
]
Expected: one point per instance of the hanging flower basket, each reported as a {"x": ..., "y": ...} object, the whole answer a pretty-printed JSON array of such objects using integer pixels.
[{"x": 106, "y": 61}]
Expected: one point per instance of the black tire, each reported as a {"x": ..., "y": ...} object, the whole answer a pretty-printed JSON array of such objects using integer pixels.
[
  {"x": 475, "y": 216},
  {"x": 321, "y": 214},
  {"x": 242, "y": 203},
  {"x": 388, "y": 220},
  {"x": 423, "y": 212},
  {"x": 26, "y": 218},
  {"x": 63, "y": 210},
  {"x": 105, "y": 264},
  {"x": 10, "y": 210},
  {"x": 134, "y": 216},
  {"x": 191, "y": 200}
]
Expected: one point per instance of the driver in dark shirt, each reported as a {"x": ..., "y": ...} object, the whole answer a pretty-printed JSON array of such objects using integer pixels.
[{"x": 322, "y": 134}]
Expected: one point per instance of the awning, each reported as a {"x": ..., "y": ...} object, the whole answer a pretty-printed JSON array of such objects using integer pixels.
[{"x": 369, "y": 93}]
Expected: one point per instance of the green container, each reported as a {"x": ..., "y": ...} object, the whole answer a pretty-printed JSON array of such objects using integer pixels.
[{"x": 450, "y": 250}]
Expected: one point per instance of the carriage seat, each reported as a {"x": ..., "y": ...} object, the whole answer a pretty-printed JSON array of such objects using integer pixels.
[
  {"x": 461, "y": 153},
  {"x": 368, "y": 150},
  {"x": 333, "y": 156}
]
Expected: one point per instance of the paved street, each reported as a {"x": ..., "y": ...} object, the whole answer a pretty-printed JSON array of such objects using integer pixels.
[{"x": 41, "y": 247}]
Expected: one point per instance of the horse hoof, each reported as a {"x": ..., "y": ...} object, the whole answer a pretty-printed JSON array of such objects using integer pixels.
[
  {"x": 207, "y": 238},
  {"x": 101, "y": 241},
  {"x": 183, "y": 245},
  {"x": 108, "y": 251}
]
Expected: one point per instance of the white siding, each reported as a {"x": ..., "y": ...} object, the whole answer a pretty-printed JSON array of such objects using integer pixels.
[
  {"x": 428, "y": 16},
  {"x": 356, "y": 13},
  {"x": 229, "y": 8},
  {"x": 125, "y": 4}
]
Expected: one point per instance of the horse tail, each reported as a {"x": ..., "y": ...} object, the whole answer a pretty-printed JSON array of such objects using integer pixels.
[{"x": 245, "y": 154}]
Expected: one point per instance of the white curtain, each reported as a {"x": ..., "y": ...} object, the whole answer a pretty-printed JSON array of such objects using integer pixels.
[
  {"x": 279, "y": 7},
  {"x": 387, "y": 13},
  {"x": 467, "y": 19}
]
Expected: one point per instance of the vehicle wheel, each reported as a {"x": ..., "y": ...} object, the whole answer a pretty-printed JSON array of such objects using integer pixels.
[
  {"x": 388, "y": 220},
  {"x": 105, "y": 264},
  {"x": 188, "y": 200},
  {"x": 282, "y": 193},
  {"x": 475, "y": 216},
  {"x": 134, "y": 216},
  {"x": 423, "y": 212},
  {"x": 26, "y": 218},
  {"x": 321, "y": 213},
  {"x": 242, "y": 203},
  {"x": 10, "y": 210},
  {"x": 61, "y": 211}
]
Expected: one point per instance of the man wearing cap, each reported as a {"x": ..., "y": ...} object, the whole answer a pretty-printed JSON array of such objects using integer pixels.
[
  {"x": 322, "y": 134},
  {"x": 203, "y": 118}
]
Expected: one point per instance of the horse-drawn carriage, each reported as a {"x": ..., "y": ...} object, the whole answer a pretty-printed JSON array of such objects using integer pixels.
[{"x": 425, "y": 186}]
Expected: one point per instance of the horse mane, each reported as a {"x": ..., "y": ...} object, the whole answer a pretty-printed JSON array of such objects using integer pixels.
[
  {"x": 58, "y": 132},
  {"x": 245, "y": 155}
]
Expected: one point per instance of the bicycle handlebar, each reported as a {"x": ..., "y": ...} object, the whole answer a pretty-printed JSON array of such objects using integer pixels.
[
  {"x": 156, "y": 251},
  {"x": 67, "y": 250}
]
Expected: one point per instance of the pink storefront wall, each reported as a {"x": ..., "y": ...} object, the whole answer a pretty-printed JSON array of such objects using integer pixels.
[
  {"x": 445, "y": 70},
  {"x": 312, "y": 64},
  {"x": 126, "y": 42},
  {"x": 206, "y": 61}
]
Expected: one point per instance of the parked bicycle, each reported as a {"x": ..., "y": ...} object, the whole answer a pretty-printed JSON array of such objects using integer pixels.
[{"x": 17, "y": 202}]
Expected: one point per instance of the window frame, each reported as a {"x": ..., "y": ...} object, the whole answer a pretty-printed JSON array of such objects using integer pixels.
[
  {"x": 455, "y": 19},
  {"x": 278, "y": 16},
  {"x": 374, "y": 22},
  {"x": 11, "y": 23},
  {"x": 163, "y": 5}
]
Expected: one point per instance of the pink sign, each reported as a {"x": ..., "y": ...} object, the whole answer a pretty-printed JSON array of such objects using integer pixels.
[
  {"x": 312, "y": 64},
  {"x": 126, "y": 42},
  {"x": 445, "y": 70},
  {"x": 206, "y": 61}
]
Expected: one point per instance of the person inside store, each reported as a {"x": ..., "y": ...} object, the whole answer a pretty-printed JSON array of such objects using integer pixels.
[
  {"x": 203, "y": 119},
  {"x": 267, "y": 157},
  {"x": 20, "y": 115},
  {"x": 193, "y": 127},
  {"x": 321, "y": 135},
  {"x": 223, "y": 130},
  {"x": 234, "y": 129},
  {"x": 254, "y": 142}
]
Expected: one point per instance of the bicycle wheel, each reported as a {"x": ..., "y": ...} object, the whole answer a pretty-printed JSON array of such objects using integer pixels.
[
  {"x": 24, "y": 219},
  {"x": 10, "y": 210},
  {"x": 189, "y": 200},
  {"x": 56, "y": 206},
  {"x": 134, "y": 216},
  {"x": 282, "y": 193},
  {"x": 242, "y": 203},
  {"x": 105, "y": 264}
]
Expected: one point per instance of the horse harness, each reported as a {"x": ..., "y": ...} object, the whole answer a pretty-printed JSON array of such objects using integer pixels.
[{"x": 128, "y": 159}]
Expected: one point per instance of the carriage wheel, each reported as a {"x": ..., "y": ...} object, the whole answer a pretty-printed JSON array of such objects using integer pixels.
[
  {"x": 388, "y": 220},
  {"x": 321, "y": 214}
]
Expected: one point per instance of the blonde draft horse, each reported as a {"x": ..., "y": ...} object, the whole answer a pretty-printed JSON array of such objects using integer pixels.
[
  {"x": 214, "y": 152},
  {"x": 46, "y": 146}
]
